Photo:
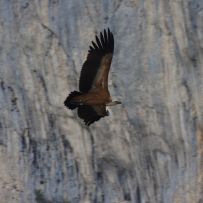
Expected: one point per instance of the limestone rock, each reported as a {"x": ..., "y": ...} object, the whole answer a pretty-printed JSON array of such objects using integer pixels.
[{"x": 149, "y": 150}]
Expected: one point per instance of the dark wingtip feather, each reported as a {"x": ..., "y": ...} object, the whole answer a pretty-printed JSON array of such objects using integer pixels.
[
  {"x": 102, "y": 38},
  {"x": 105, "y": 36},
  {"x": 94, "y": 45},
  {"x": 104, "y": 42},
  {"x": 109, "y": 32},
  {"x": 98, "y": 42},
  {"x": 91, "y": 48}
]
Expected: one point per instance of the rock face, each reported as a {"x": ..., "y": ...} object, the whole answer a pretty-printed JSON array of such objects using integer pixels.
[{"x": 150, "y": 150}]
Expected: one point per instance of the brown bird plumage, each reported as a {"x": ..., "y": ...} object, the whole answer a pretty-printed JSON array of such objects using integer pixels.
[{"x": 94, "y": 95}]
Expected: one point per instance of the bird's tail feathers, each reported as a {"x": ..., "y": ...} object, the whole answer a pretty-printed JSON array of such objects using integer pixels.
[{"x": 72, "y": 104}]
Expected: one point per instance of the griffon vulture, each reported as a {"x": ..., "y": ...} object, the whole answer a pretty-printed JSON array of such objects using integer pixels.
[{"x": 93, "y": 96}]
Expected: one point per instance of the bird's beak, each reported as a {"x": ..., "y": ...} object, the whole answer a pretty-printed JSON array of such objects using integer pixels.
[
  {"x": 118, "y": 102},
  {"x": 113, "y": 103}
]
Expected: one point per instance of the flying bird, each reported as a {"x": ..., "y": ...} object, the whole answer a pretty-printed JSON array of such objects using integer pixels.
[{"x": 93, "y": 96}]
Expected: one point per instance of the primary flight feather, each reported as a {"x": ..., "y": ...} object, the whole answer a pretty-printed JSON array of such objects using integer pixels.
[{"x": 93, "y": 96}]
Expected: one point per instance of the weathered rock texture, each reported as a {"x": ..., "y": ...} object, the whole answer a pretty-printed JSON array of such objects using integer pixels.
[{"x": 150, "y": 150}]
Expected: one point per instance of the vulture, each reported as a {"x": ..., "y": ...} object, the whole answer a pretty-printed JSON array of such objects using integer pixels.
[{"x": 93, "y": 96}]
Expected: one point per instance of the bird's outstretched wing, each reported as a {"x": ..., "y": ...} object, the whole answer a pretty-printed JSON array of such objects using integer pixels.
[
  {"x": 90, "y": 114},
  {"x": 96, "y": 67}
]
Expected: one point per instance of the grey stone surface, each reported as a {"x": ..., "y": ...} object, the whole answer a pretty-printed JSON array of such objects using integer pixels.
[{"x": 149, "y": 150}]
